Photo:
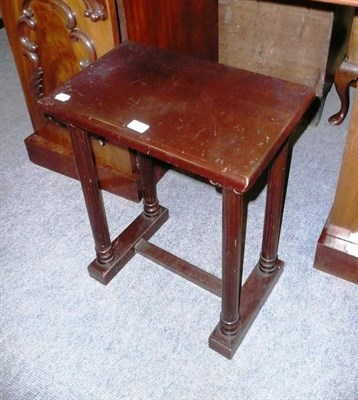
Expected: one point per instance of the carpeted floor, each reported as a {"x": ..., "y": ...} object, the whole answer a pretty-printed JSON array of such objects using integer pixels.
[{"x": 64, "y": 336}]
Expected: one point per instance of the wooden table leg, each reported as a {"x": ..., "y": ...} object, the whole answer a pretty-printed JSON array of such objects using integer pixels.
[
  {"x": 149, "y": 186},
  {"x": 276, "y": 188},
  {"x": 240, "y": 306},
  {"x": 234, "y": 223},
  {"x": 233, "y": 231},
  {"x": 87, "y": 172},
  {"x": 112, "y": 256}
]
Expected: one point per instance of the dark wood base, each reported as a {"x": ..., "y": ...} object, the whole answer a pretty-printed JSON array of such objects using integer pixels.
[
  {"x": 134, "y": 239},
  {"x": 254, "y": 293},
  {"x": 337, "y": 256},
  {"x": 60, "y": 159},
  {"x": 124, "y": 245},
  {"x": 180, "y": 267}
]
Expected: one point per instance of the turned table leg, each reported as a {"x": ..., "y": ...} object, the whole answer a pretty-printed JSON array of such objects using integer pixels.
[
  {"x": 149, "y": 187},
  {"x": 87, "y": 172},
  {"x": 113, "y": 256},
  {"x": 233, "y": 230},
  {"x": 276, "y": 188},
  {"x": 240, "y": 305}
]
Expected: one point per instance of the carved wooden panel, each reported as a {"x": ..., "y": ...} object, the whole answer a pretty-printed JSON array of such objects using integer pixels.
[
  {"x": 54, "y": 39},
  {"x": 95, "y": 10},
  {"x": 57, "y": 55}
]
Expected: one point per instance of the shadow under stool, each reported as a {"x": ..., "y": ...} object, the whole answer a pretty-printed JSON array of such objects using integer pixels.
[{"x": 223, "y": 124}]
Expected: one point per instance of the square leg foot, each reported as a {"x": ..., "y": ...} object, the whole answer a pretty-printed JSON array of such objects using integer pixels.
[
  {"x": 124, "y": 245},
  {"x": 255, "y": 292}
]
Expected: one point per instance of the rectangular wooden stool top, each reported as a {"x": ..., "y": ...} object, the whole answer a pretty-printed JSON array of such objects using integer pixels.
[{"x": 222, "y": 123}]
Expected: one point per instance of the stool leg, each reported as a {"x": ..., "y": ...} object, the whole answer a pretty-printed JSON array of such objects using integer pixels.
[
  {"x": 87, "y": 172},
  {"x": 234, "y": 222},
  {"x": 273, "y": 215},
  {"x": 149, "y": 187},
  {"x": 241, "y": 305}
]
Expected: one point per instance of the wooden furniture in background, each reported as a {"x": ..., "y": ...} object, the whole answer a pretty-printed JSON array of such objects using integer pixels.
[
  {"x": 51, "y": 40},
  {"x": 187, "y": 26},
  {"x": 347, "y": 75},
  {"x": 302, "y": 42},
  {"x": 337, "y": 248},
  {"x": 219, "y": 135}
]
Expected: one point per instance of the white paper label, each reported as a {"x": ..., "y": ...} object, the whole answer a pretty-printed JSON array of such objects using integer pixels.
[
  {"x": 62, "y": 97},
  {"x": 138, "y": 126}
]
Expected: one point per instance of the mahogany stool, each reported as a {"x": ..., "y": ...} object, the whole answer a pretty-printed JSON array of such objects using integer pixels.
[{"x": 221, "y": 123}]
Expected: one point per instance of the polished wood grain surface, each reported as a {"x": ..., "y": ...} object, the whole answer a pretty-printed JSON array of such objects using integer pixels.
[
  {"x": 187, "y": 26},
  {"x": 228, "y": 111}
]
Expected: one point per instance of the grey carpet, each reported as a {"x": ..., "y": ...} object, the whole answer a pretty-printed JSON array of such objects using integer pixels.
[{"x": 64, "y": 336}]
